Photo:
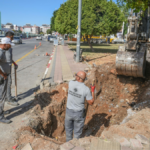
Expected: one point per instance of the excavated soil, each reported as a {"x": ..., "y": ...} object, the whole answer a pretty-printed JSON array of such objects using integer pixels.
[{"x": 46, "y": 126}]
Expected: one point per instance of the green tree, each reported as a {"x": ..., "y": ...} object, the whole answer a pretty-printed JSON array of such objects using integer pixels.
[
  {"x": 49, "y": 31},
  {"x": 41, "y": 32},
  {"x": 20, "y": 31},
  {"x": 52, "y": 25},
  {"x": 137, "y": 5},
  {"x": 98, "y": 17}
]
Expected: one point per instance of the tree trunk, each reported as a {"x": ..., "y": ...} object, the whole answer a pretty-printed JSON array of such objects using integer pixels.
[{"x": 88, "y": 40}]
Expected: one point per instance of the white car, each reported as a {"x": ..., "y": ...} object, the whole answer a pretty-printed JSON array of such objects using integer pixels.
[
  {"x": 17, "y": 40},
  {"x": 39, "y": 38},
  {"x": 52, "y": 38},
  {"x": 118, "y": 40}
]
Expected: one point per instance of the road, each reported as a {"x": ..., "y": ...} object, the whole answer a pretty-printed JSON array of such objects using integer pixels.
[
  {"x": 32, "y": 67},
  {"x": 29, "y": 74}
]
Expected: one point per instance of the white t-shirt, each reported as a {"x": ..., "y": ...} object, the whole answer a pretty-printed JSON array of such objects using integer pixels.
[{"x": 77, "y": 93}]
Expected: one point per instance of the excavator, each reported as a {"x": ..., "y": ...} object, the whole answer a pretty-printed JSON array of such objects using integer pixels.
[{"x": 132, "y": 56}]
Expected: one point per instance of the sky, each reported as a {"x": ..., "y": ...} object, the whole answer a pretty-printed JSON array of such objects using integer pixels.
[{"x": 34, "y": 12}]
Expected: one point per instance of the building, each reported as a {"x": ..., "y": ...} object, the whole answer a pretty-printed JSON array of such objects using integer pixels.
[
  {"x": 36, "y": 29},
  {"x": 30, "y": 29},
  {"x": 27, "y": 28},
  {"x": 44, "y": 28},
  {"x": 17, "y": 28},
  {"x": 9, "y": 26}
]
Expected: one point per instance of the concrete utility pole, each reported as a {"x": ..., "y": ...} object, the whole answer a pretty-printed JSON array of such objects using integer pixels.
[
  {"x": 0, "y": 23},
  {"x": 79, "y": 31}
]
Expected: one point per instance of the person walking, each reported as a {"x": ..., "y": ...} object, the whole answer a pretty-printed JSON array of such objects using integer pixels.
[
  {"x": 4, "y": 71},
  {"x": 75, "y": 111},
  {"x": 9, "y": 60}
]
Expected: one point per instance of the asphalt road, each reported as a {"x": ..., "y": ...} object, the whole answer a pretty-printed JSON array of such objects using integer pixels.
[{"x": 31, "y": 67}]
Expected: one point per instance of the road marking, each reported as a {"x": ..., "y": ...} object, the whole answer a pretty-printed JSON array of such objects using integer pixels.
[{"x": 26, "y": 55}]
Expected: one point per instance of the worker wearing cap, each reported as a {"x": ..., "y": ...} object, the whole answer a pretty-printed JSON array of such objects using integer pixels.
[
  {"x": 9, "y": 99},
  {"x": 4, "y": 71},
  {"x": 75, "y": 111}
]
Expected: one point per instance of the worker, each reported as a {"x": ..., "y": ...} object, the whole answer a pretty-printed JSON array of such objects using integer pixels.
[
  {"x": 4, "y": 71},
  {"x": 75, "y": 111},
  {"x": 9, "y": 99}
]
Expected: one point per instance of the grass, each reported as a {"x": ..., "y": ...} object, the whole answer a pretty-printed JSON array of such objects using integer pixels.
[{"x": 99, "y": 49}]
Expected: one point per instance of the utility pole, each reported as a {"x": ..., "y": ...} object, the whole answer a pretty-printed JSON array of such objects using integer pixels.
[
  {"x": 79, "y": 31},
  {"x": 0, "y": 23}
]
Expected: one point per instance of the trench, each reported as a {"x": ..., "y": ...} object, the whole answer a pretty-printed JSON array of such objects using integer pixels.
[{"x": 111, "y": 93}]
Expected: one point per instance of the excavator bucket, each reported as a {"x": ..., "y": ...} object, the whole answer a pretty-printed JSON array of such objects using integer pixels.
[
  {"x": 131, "y": 58},
  {"x": 131, "y": 63}
]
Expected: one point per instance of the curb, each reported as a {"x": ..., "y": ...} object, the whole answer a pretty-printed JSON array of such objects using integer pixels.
[{"x": 47, "y": 69}]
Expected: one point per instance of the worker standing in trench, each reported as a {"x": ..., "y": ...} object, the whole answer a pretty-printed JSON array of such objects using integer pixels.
[{"x": 75, "y": 111}]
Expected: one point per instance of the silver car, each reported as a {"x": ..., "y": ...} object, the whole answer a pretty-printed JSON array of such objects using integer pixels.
[
  {"x": 39, "y": 38},
  {"x": 52, "y": 38},
  {"x": 17, "y": 40}
]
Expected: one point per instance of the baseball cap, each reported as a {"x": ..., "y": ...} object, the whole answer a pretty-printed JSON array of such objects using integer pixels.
[{"x": 6, "y": 40}]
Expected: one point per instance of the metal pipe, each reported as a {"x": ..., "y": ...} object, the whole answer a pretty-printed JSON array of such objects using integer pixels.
[{"x": 79, "y": 31}]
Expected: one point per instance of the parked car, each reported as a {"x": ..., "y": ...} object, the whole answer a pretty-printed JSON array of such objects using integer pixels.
[
  {"x": 17, "y": 40},
  {"x": 52, "y": 38},
  {"x": 118, "y": 40},
  {"x": 1, "y": 36},
  {"x": 39, "y": 37}
]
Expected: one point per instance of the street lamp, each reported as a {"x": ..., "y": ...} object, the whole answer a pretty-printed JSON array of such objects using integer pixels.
[{"x": 79, "y": 31}]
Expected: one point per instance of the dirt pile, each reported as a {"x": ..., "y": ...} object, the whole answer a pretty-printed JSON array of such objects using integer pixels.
[{"x": 110, "y": 108}]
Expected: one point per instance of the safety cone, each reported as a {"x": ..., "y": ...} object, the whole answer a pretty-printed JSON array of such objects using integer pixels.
[
  {"x": 40, "y": 43},
  {"x": 35, "y": 47},
  {"x": 46, "y": 54}
]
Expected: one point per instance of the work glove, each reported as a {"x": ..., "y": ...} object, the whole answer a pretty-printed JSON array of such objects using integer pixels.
[
  {"x": 16, "y": 66},
  {"x": 93, "y": 88}
]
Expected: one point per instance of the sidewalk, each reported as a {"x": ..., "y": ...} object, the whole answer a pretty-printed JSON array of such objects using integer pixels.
[{"x": 65, "y": 66}]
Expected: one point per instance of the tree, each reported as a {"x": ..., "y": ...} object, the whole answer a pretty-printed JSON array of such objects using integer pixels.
[
  {"x": 20, "y": 31},
  {"x": 52, "y": 25},
  {"x": 98, "y": 17},
  {"x": 137, "y": 5},
  {"x": 41, "y": 32},
  {"x": 49, "y": 31}
]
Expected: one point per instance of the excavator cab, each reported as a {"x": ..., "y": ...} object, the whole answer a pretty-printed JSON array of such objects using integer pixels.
[{"x": 131, "y": 57}]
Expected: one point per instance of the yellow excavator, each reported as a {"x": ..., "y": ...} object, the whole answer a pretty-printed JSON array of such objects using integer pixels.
[{"x": 131, "y": 58}]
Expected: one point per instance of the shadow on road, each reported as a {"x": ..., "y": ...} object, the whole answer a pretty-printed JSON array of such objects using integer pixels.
[{"x": 42, "y": 99}]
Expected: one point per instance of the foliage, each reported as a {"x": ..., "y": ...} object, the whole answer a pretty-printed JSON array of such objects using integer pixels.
[
  {"x": 98, "y": 17},
  {"x": 20, "y": 31},
  {"x": 49, "y": 31},
  {"x": 41, "y": 32},
  {"x": 70, "y": 36},
  {"x": 52, "y": 25},
  {"x": 137, "y": 5}
]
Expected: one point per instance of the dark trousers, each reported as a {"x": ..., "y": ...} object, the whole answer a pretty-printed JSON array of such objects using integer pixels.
[{"x": 74, "y": 121}]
